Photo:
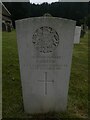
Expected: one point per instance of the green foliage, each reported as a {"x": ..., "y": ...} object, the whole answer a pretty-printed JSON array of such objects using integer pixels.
[{"x": 70, "y": 10}]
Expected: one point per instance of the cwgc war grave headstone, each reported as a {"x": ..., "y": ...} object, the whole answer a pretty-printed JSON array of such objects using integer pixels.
[
  {"x": 77, "y": 35},
  {"x": 45, "y": 46}
]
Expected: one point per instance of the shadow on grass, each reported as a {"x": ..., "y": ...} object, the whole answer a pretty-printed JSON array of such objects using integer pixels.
[{"x": 47, "y": 116}]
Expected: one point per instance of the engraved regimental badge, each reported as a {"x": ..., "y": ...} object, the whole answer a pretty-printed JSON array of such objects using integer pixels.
[{"x": 45, "y": 39}]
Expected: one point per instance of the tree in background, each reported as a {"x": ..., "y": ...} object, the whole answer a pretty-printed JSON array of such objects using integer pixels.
[{"x": 78, "y": 11}]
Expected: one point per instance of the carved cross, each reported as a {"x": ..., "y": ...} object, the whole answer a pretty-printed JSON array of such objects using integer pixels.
[{"x": 46, "y": 81}]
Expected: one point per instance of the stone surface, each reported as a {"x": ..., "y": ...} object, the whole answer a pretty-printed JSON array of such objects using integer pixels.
[
  {"x": 45, "y": 47},
  {"x": 77, "y": 35}
]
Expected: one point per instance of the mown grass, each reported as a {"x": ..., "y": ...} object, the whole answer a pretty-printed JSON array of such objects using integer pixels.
[
  {"x": 0, "y": 74},
  {"x": 12, "y": 95}
]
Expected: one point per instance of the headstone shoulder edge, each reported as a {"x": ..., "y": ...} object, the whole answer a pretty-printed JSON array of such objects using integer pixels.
[{"x": 33, "y": 18}]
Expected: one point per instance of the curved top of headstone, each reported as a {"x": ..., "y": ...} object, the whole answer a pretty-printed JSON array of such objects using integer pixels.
[{"x": 47, "y": 15}]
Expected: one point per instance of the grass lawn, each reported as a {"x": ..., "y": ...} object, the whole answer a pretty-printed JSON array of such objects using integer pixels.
[
  {"x": 0, "y": 75},
  {"x": 12, "y": 95}
]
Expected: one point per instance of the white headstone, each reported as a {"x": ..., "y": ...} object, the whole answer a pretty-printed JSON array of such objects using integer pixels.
[
  {"x": 77, "y": 35},
  {"x": 45, "y": 47}
]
